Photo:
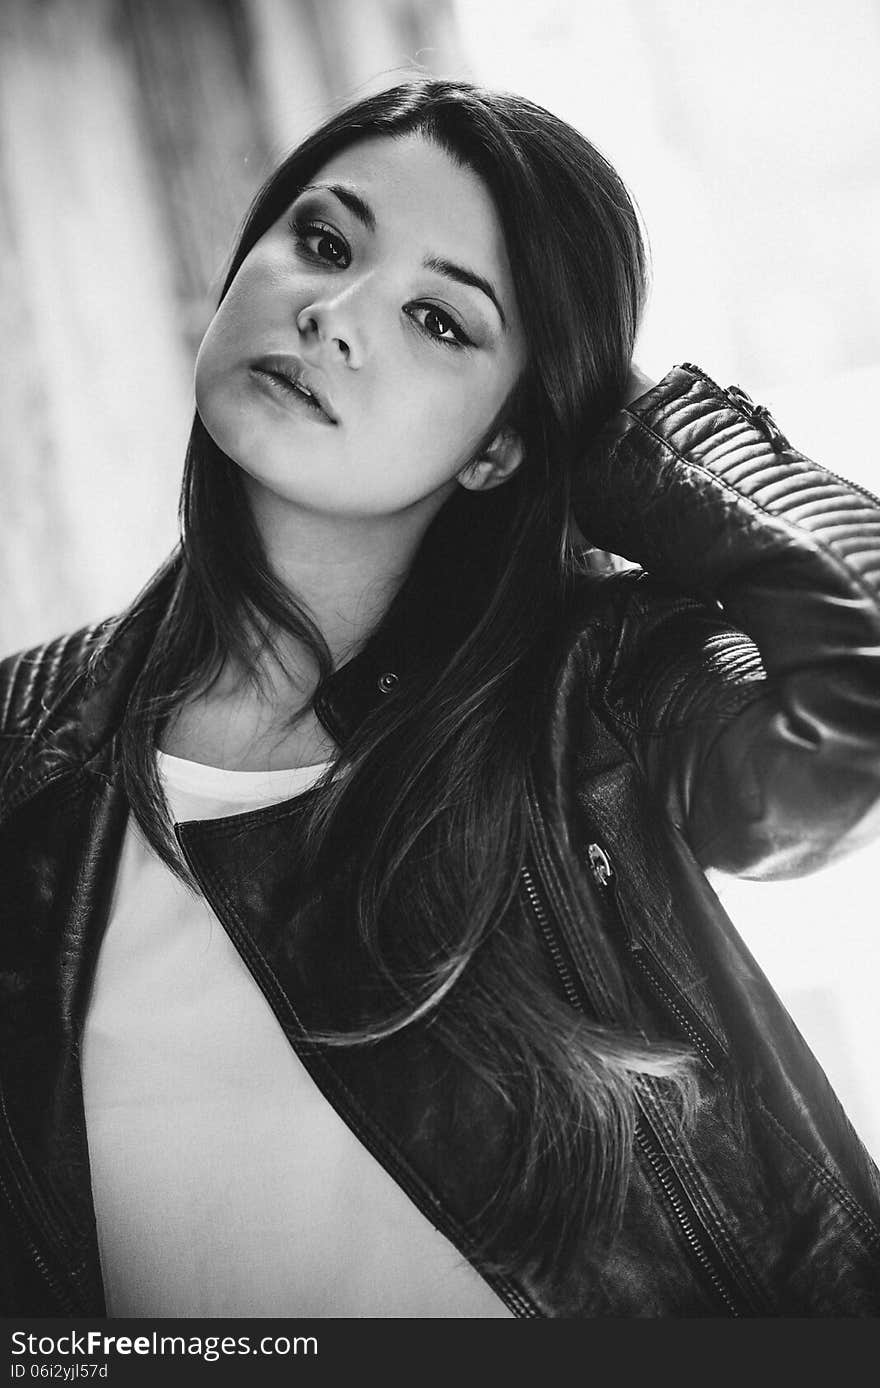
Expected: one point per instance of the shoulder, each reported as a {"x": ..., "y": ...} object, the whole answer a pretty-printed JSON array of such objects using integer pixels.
[
  {"x": 654, "y": 654},
  {"x": 626, "y": 605},
  {"x": 31, "y": 681}
]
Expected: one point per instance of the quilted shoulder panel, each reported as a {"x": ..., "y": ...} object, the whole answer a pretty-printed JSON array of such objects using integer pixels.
[{"x": 31, "y": 681}]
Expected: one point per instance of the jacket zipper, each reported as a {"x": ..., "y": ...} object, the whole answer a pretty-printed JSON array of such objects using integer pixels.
[
  {"x": 660, "y": 1168},
  {"x": 852, "y": 486},
  {"x": 761, "y": 416},
  {"x": 549, "y": 937},
  {"x": 645, "y": 1136},
  {"x": 662, "y": 985}
]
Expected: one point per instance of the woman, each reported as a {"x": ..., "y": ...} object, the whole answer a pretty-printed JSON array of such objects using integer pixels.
[{"x": 476, "y": 1038}]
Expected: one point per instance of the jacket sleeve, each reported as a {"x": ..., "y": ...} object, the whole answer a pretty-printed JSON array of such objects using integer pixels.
[{"x": 746, "y": 674}]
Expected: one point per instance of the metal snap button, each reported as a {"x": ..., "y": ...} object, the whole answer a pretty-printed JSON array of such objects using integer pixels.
[
  {"x": 387, "y": 682},
  {"x": 600, "y": 864}
]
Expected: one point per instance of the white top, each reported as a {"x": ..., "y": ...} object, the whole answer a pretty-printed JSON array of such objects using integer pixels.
[{"x": 225, "y": 1184}]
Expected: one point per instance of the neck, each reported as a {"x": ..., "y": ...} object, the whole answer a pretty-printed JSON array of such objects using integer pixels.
[{"x": 345, "y": 571}]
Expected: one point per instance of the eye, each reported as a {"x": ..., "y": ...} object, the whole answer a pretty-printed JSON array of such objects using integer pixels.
[
  {"x": 439, "y": 325},
  {"x": 322, "y": 242}
]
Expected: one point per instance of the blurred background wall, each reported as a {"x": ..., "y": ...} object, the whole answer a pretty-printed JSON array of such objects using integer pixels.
[{"x": 132, "y": 136}]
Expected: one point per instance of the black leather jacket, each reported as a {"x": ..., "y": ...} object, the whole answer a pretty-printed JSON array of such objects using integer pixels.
[{"x": 673, "y": 739}]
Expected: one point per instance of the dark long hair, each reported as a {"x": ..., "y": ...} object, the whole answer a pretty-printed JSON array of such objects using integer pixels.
[{"x": 432, "y": 883}]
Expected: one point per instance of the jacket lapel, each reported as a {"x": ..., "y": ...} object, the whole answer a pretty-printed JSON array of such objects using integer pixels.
[
  {"x": 304, "y": 956},
  {"x": 53, "y": 857}
]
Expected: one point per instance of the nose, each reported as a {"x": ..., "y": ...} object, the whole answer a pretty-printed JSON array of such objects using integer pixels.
[{"x": 332, "y": 325}]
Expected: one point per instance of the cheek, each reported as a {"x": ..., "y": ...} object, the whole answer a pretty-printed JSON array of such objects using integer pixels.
[
  {"x": 218, "y": 389},
  {"x": 450, "y": 423},
  {"x": 423, "y": 441},
  {"x": 211, "y": 360},
  {"x": 224, "y": 332},
  {"x": 204, "y": 367},
  {"x": 218, "y": 365},
  {"x": 243, "y": 316}
]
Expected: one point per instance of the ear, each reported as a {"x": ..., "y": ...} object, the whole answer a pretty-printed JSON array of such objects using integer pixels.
[{"x": 494, "y": 464}]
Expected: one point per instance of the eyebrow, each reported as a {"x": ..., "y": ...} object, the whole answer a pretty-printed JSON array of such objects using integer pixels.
[
  {"x": 463, "y": 276},
  {"x": 438, "y": 264},
  {"x": 349, "y": 199}
]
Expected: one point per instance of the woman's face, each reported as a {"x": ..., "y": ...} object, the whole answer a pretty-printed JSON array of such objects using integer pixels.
[{"x": 385, "y": 290}]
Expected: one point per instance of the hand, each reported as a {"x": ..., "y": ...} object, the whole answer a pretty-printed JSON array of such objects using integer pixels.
[{"x": 637, "y": 383}]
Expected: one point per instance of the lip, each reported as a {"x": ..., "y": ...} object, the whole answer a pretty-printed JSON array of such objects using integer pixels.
[{"x": 295, "y": 372}]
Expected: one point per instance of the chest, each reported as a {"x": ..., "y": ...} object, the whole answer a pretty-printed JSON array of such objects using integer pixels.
[
  {"x": 281, "y": 1209},
  {"x": 240, "y": 736}
]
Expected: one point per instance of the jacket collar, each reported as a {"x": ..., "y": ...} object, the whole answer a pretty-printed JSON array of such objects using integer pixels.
[{"x": 420, "y": 631}]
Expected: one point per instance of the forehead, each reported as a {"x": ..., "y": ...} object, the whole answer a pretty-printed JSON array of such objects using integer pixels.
[{"x": 416, "y": 188}]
